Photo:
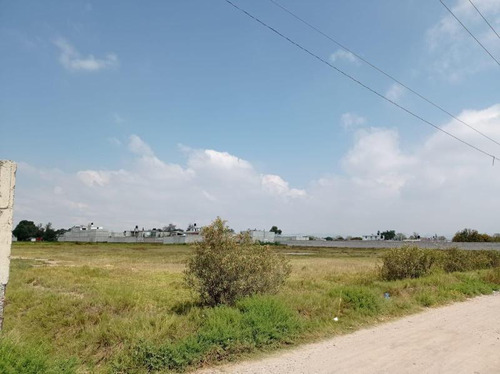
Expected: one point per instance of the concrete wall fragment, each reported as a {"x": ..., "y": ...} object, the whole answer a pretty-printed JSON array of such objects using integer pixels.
[{"x": 7, "y": 184}]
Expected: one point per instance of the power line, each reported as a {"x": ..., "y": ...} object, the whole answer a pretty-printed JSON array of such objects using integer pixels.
[
  {"x": 485, "y": 20},
  {"x": 345, "y": 48},
  {"x": 359, "y": 82},
  {"x": 470, "y": 33}
]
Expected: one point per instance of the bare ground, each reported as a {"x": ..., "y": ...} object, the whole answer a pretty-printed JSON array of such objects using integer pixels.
[{"x": 459, "y": 338}]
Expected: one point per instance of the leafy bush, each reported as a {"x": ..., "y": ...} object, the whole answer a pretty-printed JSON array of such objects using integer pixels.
[
  {"x": 225, "y": 268},
  {"x": 407, "y": 262},
  {"x": 462, "y": 260},
  {"x": 413, "y": 262},
  {"x": 469, "y": 235}
]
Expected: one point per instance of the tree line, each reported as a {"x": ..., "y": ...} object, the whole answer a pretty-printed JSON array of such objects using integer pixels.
[{"x": 27, "y": 230}]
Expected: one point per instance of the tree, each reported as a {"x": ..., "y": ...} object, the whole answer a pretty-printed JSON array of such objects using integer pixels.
[
  {"x": 225, "y": 268},
  {"x": 25, "y": 230},
  {"x": 469, "y": 235},
  {"x": 329, "y": 239},
  {"x": 49, "y": 234},
  {"x": 400, "y": 236},
  {"x": 388, "y": 235},
  {"x": 275, "y": 230}
]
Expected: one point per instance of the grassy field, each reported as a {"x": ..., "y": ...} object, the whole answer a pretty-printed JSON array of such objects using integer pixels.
[{"x": 121, "y": 308}]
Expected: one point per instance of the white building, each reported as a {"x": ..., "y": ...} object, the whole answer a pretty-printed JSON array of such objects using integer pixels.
[
  {"x": 262, "y": 236},
  {"x": 372, "y": 237},
  {"x": 285, "y": 238}
]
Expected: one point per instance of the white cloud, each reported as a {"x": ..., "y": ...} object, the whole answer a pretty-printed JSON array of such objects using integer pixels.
[
  {"x": 395, "y": 92},
  {"x": 439, "y": 186},
  {"x": 139, "y": 147},
  {"x": 352, "y": 120},
  {"x": 275, "y": 185},
  {"x": 452, "y": 51},
  {"x": 341, "y": 54},
  {"x": 71, "y": 59}
]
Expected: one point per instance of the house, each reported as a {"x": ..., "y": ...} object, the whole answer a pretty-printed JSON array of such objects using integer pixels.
[{"x": 372, "y": 237}]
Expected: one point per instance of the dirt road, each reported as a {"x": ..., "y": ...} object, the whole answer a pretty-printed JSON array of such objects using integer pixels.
[{"x": 460, "y": 338}]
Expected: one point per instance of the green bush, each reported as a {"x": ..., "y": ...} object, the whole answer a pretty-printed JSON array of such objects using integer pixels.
[
  {"x": 462, "y": 260},
  {"x": 469, "y": 235},
  {"x": 225, "y": 268},
  {"x": 407, "y": 262},
  {"x": 413, "y": 262},
  {"x": 457, "y": 260}
]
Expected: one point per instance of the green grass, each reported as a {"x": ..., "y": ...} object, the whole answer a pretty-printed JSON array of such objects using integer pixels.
[{"x": 120, "y": 308}]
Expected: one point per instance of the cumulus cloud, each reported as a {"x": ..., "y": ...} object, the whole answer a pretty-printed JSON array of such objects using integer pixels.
[
  {"x": 341, "y": 54},
  {"x": 152, "y": 192},
  {"x": 71, "y": 59},
  {"x": 277, "y": 186},
  {"x": 438, "y": 186}
]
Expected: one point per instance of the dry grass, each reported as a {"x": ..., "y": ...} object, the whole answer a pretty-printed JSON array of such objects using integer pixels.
[{"x": 92, "y": 308}]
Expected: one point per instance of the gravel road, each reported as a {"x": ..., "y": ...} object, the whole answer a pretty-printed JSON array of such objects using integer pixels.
[{"x": 459, "y": 338}]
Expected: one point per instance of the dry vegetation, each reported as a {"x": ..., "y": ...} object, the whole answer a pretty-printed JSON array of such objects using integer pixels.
[{"x": 125, "y": 308}]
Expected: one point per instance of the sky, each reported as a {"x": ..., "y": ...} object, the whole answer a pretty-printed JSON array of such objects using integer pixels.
[{"x": 149, "y": 113}]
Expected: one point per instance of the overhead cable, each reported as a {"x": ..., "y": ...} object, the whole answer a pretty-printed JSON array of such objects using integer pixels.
[
  {"x": 304, "y": 49},
  {"x": 345, "y": 48},
  {"x": 484, "y": 18},
  {"x": 470, "y": 33}
]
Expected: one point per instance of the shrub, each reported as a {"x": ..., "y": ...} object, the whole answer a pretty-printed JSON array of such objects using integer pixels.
[
  {"x": 225, "y": 267},
  {"x": 469, "y": 235},
  {"x": 462, "y": 260},
  {"x": 407, "y": 262}
]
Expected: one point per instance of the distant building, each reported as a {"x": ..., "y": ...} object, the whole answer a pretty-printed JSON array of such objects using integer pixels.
[
  {"x": 89, "y": 233},
  {"x": 285, "y": 238},
  {"x": 262, "y": 236},
  {"x": 372, "y": 237}
]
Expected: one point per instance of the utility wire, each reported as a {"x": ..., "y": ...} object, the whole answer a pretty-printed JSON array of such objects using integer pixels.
[
  {"x": 345, "y": 48},
  {"x": 359, "y": 82},
  {"x": 470, "y": 33},
  {"x": 485, "y": 20}
]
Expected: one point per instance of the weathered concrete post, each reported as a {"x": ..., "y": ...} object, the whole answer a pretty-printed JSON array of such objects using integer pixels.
[{"x": 7, "y": 184}]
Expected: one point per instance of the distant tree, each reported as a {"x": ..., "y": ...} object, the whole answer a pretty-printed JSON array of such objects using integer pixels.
[
  {"x": 60, "y": 232},
  {"x": 339, "y": 238},
  {"x": 49, "y": 234},
  {"x": 329, "y": 239},
  {"x": 415, "y": 236},
  {"x": 400, "y": 236},
  {"x": 388, "y": 235},
  {"x": 470, "y": 235},
  {"x": 356, "y": 238},
  {"x": 25, "y": 230},
  {"x": 275, "y": 230},
  {"x": 170, "y": 228}
]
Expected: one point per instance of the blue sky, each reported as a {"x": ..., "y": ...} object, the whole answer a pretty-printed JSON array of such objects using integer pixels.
[{"x": 102, "y": 103}]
